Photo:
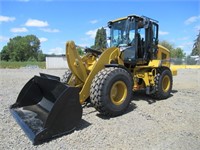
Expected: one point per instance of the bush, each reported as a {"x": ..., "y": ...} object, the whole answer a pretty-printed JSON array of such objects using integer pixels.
[
  {"x": 32, "y": 59},
  {"x": 15, "y": 65}
]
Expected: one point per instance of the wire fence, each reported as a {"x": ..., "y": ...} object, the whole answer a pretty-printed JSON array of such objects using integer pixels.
[{"x": 186, "y": 61}]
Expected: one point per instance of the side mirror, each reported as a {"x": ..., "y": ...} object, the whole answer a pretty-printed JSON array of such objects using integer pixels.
[{"x": 109, "y": 24}]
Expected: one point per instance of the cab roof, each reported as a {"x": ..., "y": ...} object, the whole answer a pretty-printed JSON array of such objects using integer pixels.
[{"x": 134, "y": 16}]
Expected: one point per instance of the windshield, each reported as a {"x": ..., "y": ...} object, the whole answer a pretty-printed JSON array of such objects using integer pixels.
[{"x": 122, "y": 33}]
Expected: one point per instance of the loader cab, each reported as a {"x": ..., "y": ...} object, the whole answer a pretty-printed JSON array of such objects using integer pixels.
[{"x": 137, "y": 38}]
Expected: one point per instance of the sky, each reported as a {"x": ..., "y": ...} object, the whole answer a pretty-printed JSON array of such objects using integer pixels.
[{"x": 56, "y": 21}]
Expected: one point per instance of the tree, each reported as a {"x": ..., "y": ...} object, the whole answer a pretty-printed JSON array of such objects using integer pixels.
[
  {"x": 5, "y": 54},
  {"x": 100, "y": 39},
  {"x": 196, "y": 46},
  {"x": 178, "y": 53},
  {"x": 175, "y": 52},
  {"x": 33, "y": 45},
  {"x": 21, "y": 49},
  {"x": 41, "y": 56},
  {"x": 80, "y": 52}
]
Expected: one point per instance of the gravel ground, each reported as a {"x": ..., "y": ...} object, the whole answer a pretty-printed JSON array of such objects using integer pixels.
[{"x": 168, "y": 124}]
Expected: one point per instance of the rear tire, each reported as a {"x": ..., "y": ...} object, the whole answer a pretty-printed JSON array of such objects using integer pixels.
[
  {"x": 66, "y": 76},
  {"x": 163, "y": 83},
  {"x": 111, "y": 91}
]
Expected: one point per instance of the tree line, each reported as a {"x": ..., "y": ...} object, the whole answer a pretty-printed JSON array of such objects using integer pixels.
[{"x": 27, "y": 48}]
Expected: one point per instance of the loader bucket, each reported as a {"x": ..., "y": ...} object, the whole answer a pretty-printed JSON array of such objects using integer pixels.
[{"x": 46, "y": 108}]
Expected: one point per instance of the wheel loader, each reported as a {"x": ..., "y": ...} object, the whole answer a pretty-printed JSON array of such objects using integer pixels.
[{"x": 48, "y": 107}]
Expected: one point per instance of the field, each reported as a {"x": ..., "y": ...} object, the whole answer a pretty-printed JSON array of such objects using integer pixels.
[
  {"x": 14, "y": 65},
  {"x": 173, "y": 123}
]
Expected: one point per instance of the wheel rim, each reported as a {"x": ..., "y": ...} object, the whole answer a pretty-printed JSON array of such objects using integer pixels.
[
  {"x": 166, "y": 83},
  {"x": 118, "y": 92}
]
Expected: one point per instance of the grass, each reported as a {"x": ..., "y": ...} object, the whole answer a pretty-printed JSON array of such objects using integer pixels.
[{"x": 15, "y": 65}]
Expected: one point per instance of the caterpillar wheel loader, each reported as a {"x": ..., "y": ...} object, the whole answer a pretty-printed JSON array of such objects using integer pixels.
[{"x": 48, "y": 107}]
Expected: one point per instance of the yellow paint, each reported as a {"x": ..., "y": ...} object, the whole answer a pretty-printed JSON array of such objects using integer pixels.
[
  {"x": 154, "y": 63},
  {"x": 163, "y": 51},
  {"x": 105, "y": 58},
  {"x": 118, "y": 93},
  {"x": 185, "y": 66},
  {"x": 119, "y": 19},
  {"x": 146, "y": 76},
  {"x": 74, "y": 62},
  {"x": 166, "y": 83},
  {"x": 89, "y": 61}
]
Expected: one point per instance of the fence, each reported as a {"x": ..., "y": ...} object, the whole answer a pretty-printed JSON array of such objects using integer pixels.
[{"x": 186, "y": 61}]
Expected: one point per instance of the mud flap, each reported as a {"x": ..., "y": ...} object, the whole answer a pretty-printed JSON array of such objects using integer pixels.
[{"x": 46, "y": 108}]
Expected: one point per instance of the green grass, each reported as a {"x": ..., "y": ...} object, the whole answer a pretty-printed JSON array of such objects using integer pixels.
[{"x": 15, "y": 65}]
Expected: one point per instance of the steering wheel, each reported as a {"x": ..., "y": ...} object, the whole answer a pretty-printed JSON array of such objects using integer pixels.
[{"x": 93, "y": 51}]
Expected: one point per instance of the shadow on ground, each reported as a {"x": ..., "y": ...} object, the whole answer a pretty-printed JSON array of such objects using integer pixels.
[
  {"x": 131, "y": 107},
  {"x": 82, "y": 125},
  {"x": 142, "y": 96}
]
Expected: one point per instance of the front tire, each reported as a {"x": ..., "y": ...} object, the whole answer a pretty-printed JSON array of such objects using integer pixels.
[{"x": 111, "y": 91}]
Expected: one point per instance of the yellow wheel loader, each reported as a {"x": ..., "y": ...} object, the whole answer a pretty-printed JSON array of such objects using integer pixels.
[{"x": 48, "y": 107}]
